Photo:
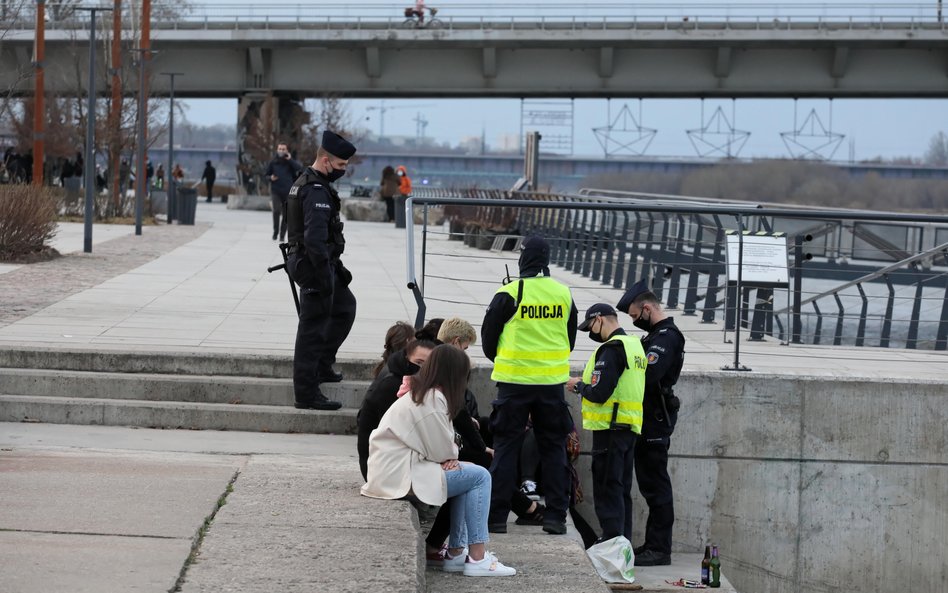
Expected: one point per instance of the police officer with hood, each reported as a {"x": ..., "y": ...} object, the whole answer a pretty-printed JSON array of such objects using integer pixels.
[
  {"x": 316, "y": 242},
  {"x": 528, "y": 332},
  {"x": 664, "y": 347},
  {"x": 611, "y": 390}
]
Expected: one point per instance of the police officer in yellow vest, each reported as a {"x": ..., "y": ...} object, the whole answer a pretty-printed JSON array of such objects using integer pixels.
[
  {"x": 612, "y": 388},
  {"x": 528, "y": 332}
]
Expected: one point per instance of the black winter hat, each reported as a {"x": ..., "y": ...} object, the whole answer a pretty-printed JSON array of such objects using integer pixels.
[
  {"x": 337, "y": 146},
  {"x": 630, "y": 295}
]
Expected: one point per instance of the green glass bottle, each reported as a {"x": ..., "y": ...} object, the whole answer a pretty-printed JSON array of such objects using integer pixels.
[{"x": 715, "y": 568}]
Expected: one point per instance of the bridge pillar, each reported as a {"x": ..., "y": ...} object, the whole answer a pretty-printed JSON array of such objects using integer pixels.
[{"x": 263, "y": 121}]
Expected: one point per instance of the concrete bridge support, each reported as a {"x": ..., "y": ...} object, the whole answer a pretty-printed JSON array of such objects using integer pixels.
[{"x": 265, "y": 119}]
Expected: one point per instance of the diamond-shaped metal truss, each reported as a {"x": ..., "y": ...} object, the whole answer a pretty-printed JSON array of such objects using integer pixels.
[
  {"x": 718, "y": 137},
  {"x": 625, "y": 135},
  {"x": 812, "y": 140}
]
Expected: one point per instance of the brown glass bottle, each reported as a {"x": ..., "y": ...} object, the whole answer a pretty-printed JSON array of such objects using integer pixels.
[{"x": 706, "y": 566}]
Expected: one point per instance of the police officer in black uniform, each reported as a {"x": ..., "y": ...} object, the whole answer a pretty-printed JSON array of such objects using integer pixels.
[
  {"x": 665, "y": 352},
  {"x": 327, "y": 306}
]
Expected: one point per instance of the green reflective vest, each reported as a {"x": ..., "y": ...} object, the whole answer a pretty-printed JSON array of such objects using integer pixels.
[
  {"x": 534, "y": 347},
  {"x": 628, "y": 394}
]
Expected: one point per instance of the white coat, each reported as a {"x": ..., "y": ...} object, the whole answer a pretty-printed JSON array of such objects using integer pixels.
[{"x": 407, "y": 449}]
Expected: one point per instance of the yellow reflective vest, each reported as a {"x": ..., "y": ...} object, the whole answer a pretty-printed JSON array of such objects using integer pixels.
[
  {"x": 534, "y": 346},
  {"x": 628, "y": 394}
]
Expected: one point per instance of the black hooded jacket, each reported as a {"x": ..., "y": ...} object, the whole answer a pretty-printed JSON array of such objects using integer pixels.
[{"x": 383, "y": 392}]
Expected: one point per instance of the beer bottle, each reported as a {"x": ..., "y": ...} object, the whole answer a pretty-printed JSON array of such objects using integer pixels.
[
  {"x": 715, "y": 568},
  {"x": 706, "y": 566}
]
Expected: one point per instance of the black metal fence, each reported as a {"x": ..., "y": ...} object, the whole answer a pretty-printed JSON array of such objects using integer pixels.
[{"x": 855, "y": 277}]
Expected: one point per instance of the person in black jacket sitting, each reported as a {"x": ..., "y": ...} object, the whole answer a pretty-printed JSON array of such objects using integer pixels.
[
  {"x": 475, "y": 437},
  {"x": 383, "y": 392}
]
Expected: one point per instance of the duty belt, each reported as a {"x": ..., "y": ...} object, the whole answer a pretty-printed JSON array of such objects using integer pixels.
[{"x": 294, "y": 248}]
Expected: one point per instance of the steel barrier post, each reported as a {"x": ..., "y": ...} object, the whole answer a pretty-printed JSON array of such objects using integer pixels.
[{"x": 675, "y": 282}]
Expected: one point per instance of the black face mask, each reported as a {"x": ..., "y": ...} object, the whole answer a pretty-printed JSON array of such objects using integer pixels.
[
  {"x": 335, "y": 174},
  {"x": 596, "y": 338},
  {"x": 413, "y": 368},
  {"x": 643, "y": 324}
]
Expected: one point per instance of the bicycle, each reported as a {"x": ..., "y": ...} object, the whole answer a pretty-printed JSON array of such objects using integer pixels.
[{"x": 413, "y": 22}]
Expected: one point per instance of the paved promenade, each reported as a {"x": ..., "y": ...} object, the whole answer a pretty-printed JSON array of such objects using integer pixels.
[
  {"x": 205, "y": 288},
  {"x": 90, "y": 508}
]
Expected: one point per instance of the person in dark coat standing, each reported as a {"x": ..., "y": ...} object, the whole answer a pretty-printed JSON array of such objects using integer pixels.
[
  {"x": 208, "y": 176},
  {"x": 387, "y": 189},
  {"x": 665, "y": 354},
  {"x": 282, "y": 172},
  {"x": 316, "y": 242}
]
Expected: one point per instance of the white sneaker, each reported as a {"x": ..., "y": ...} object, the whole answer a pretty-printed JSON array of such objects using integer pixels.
[
  {"x": 490, "y": 566},
  {"x": 455, "y": 564}
]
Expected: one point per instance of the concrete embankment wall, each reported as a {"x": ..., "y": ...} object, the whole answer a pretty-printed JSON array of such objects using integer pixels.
[{"x": 808, "y": 484}]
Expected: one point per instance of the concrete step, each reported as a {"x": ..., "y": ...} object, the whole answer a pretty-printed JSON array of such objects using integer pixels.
[
  {"x": 163, "y": 387},
  {"x": 159, "y": 362},
  {"x": 163, "y": 414}
]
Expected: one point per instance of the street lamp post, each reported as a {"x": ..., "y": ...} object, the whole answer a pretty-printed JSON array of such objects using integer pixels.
[
  {"x": 172, "y": 206},
  {"x": 90, "y": 134}
]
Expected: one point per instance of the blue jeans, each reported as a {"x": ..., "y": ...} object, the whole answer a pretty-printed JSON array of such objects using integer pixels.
[{"x": 469, "y": 496}]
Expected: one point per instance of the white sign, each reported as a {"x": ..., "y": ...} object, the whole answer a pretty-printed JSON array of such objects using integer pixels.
[{"x": 764, "y": 260}]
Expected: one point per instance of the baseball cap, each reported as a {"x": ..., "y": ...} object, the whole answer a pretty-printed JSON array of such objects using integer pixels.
[{"x": 597, "y": 310}]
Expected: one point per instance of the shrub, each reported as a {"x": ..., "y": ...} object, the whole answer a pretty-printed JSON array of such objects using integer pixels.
[{"x": 27, "y": 222}]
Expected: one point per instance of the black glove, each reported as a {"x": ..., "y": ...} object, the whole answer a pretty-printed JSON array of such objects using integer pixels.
[{"x": 345, "y": 276}]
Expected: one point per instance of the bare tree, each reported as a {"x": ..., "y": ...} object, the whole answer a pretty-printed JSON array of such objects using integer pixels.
[{"x": 937, "y": 153}]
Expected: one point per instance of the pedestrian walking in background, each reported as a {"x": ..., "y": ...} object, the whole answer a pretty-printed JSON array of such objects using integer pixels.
[
  {"x": 388, "y": 187},
  {"x": 208, "y": 177},
  {"x": 282, "y": 172}
]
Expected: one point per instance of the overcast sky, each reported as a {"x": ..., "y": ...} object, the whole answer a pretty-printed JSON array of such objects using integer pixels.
[
  {"x": 875, "y": 127},
  {"x": 871, "y": 127}
]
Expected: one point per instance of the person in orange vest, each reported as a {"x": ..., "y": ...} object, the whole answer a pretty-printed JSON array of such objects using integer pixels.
[{"x": 404, "y": 181}]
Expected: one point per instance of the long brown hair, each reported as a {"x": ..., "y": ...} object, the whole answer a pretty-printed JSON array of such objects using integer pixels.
[
  {"x": 447, "y": 369},
  {"x": 396, "y": 339}
]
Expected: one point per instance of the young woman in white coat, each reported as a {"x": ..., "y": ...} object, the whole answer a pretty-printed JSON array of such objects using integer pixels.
[{"x": 413, "y": 452}]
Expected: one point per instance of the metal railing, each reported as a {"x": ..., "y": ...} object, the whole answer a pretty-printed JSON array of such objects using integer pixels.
[
  {"x": 613, "y": 241},
  {"x": 543, "y": 16}
]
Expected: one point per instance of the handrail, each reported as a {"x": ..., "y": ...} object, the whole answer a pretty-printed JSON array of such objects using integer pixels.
[
  {"x": 870, "y": 277},
  {"x": 484, "y": 15},
  {"x": 692, "y": 209}
]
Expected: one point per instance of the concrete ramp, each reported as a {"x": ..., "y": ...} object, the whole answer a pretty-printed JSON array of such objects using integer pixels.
[{"x": 300, "y": 525}]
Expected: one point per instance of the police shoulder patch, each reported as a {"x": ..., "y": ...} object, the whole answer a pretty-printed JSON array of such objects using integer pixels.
[
  {"x": 594, "y": 380},
  {"x": 652, "y": 357},
  {"x": 294, "y": 190}
]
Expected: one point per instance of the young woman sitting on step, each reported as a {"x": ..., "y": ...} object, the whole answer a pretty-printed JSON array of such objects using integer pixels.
[{"x": 413, "y": 452}]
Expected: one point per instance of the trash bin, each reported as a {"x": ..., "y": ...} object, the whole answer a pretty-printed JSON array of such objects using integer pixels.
[
  {"x": 72, "y": 186},
  {"x": 159, "y": 201},
  {"x": 185, "y": 204},
  {"x": 400, "y": 211}
]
